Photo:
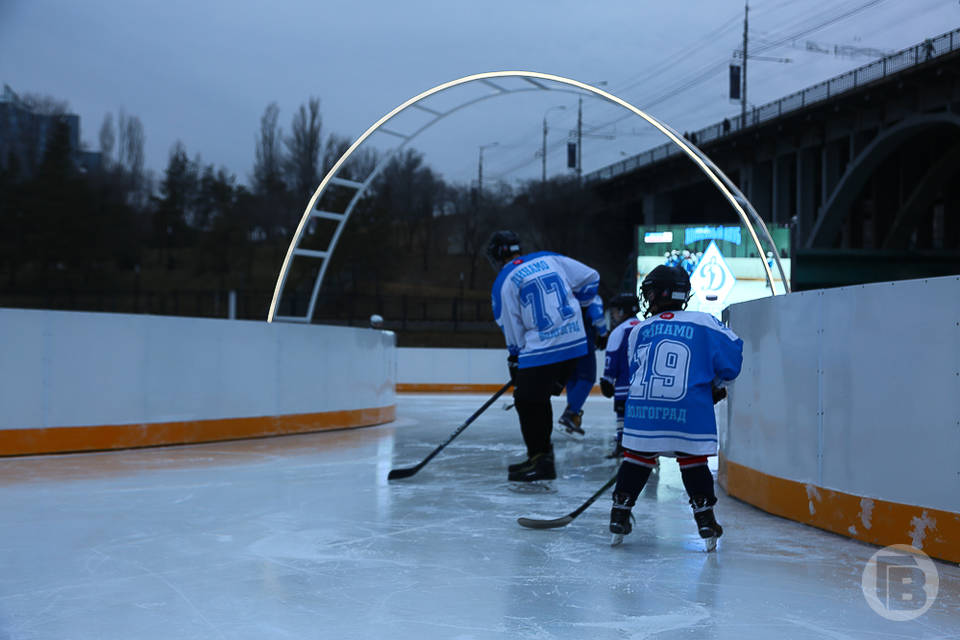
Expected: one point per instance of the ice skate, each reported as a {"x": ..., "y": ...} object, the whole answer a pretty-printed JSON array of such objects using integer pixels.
[
  {"x": 570, "y": 421},
  {"x": 709, "y": 529},
  {"x": 535, "y": 475},
  {"x": 621, "y": 519},
  {"x": 519, "y": 465}
]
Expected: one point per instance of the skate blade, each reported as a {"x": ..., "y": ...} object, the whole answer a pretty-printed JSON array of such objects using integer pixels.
[
  {"x": 710, "y": 544},
  {"x": 615, "y": 539},
  {"x": 536, "y": 486},
  {"x": 576, "y": 436}
]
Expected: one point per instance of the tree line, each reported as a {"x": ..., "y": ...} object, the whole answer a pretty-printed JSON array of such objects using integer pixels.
[{"x": 121, "y": 233}]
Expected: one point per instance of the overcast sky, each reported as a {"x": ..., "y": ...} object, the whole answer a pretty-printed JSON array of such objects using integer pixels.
[{"x": 203, "y": 71}]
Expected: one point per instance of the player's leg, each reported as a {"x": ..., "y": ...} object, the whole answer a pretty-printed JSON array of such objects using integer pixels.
[
  {"x": 698, "y": 481},
  {"x": 631, "y": 478},
  {"x": 579, "y": 386},
  {"x": 618, "y": 408},
  {"x": 532, "y": 403}
]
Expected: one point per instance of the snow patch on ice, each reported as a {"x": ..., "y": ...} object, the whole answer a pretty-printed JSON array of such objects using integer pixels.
[{"x": 639, "y": 627}]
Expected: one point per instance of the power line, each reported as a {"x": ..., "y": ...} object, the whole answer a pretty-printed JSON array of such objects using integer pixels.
[{"x": 804, "y": 27}]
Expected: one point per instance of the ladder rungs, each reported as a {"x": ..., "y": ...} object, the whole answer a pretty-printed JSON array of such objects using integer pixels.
[
  {"x": 302, "y": 319},
  {"x": 494, "y": 85},
  {"x": 343, "y": 182},
  {"x": 393, "y": 133},
  {"x": 310, "y": 253},
  {"x": 427, "y": 109},
  {"x": 328, "y": 215}
]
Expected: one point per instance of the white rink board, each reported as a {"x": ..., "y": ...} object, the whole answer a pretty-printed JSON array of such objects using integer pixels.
[
  {"x": 89, "y": 369},
  {"x": 882, "y": 420},
  {"x": 777, "y": 385}
]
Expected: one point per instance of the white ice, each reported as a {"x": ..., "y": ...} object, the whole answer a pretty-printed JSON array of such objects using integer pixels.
[{"x": 303, "y": 537}]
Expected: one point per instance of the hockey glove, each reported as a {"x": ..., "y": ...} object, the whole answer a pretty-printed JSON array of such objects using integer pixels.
[
  {"x": 602, "y": 340},
  {"x": 606, "y": 388},
  {"x": 719, "y": 393}
]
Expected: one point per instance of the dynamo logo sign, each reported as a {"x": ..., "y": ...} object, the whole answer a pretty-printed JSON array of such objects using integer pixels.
[{"x": 713, "y": 276}]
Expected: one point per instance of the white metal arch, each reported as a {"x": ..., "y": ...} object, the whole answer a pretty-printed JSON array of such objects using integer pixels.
[{"x": 535, "y": 81}]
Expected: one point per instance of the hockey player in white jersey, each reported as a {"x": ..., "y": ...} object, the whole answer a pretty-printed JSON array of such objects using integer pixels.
[
  {"x": 616, "y": 370},
  {"x": 678, "y": 362},
  {"x": 536, "y": 299}
]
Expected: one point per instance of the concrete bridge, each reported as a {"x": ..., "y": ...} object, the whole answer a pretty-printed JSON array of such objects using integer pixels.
[{"x": 863, "y": 166}]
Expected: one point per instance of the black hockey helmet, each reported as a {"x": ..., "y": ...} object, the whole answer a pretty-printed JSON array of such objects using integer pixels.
[
  {"x": 623, "y": 305},
  {"x": 665, "y": 288},
  {"x": 500, "y": 246}
]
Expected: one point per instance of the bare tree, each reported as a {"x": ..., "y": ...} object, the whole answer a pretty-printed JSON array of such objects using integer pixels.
[
  {"x": 108, "y": 137},
  {"x": 130, "y": 143},
  {"x": 303, "y": 149},
  {"x": 336, "y": 146},
  {"x": 268, "y": 166}
]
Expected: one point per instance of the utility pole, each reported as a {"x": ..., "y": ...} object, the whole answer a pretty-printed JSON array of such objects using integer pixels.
[
  {"x": 579, "y": 136},
  {"x": 602, "y": 83},
  {"x": 743, "y": 89},
  {"x": 543, "y": 151},
  {"x": 480, "y": 168}
]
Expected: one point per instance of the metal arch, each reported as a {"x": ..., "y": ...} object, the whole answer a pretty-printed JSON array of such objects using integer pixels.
[{"x": 733, "y": 195}]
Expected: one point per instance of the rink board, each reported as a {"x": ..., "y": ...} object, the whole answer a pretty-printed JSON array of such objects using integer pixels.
[
  {"x": 73, "y": 381},
  {"x": 852, "y": 394}
]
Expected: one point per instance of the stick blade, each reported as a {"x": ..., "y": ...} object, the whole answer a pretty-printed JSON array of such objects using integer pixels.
[
  {"x": 397, "y": 474},
  {"x": 534, "y": 523}
]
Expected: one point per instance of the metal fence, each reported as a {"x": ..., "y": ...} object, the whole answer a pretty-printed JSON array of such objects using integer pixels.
[{"x": 889, "y": 65}]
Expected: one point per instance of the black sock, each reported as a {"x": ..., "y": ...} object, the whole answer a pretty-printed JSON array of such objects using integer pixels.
[
  {"x": 698, "y": 481},
  {"x": 630, "y": 480}
]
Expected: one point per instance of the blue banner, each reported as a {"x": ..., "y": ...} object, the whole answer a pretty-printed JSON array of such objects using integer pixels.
[{"x": 696, "y": 234}]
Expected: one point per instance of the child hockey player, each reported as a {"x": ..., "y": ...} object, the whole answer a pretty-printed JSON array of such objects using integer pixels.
[
  {"x": 616, "y": 371},
  {"x": 535, "y": 301},
  {"x": 679, "y": 361}
]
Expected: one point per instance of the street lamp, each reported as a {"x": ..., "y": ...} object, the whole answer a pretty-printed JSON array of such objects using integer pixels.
[
  {"x": 480, "y": 168},
  {"x": 543, "y": 152}
]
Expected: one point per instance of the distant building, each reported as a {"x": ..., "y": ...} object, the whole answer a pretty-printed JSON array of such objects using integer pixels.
[{"x": 24, "y": 133}]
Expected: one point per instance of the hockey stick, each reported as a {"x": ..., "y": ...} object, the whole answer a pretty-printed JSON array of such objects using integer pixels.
[
  {"x": 396, "y": 474},
  {"x": 533, "y": 523}
]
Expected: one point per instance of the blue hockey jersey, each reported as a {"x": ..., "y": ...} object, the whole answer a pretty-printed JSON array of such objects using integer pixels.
[
  {"x": 535, "y": 299},
  {"x": 616, "y": 368},
  {"x": 675, "y": 359}
]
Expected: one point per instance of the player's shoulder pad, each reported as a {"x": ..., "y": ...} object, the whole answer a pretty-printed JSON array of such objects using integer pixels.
[
  {"x": 707, "y": 321},
  {"x": 619, "y": 333},
  {"x": 497, "y": 289}
]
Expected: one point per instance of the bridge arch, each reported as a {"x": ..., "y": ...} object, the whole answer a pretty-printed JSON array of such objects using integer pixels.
[
  {"x": 835, "y": 210},
  {"x": 531, "y": 81}
]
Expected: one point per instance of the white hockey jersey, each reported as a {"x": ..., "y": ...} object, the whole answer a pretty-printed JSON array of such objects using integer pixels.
[{"x": 535, "y": 299}]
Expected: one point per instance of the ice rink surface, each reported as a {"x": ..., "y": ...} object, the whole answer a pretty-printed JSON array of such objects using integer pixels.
[{"x": 302, "y": 537}]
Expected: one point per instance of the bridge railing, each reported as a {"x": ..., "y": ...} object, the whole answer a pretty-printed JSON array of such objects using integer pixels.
[{"x": 886, "y": 66}]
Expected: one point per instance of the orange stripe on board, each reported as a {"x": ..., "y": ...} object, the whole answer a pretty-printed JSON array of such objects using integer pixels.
[
  {"x": 18, "y": 442},
  {"x": 423, "y": 387},
  {"x": 935, "y": 532}
]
